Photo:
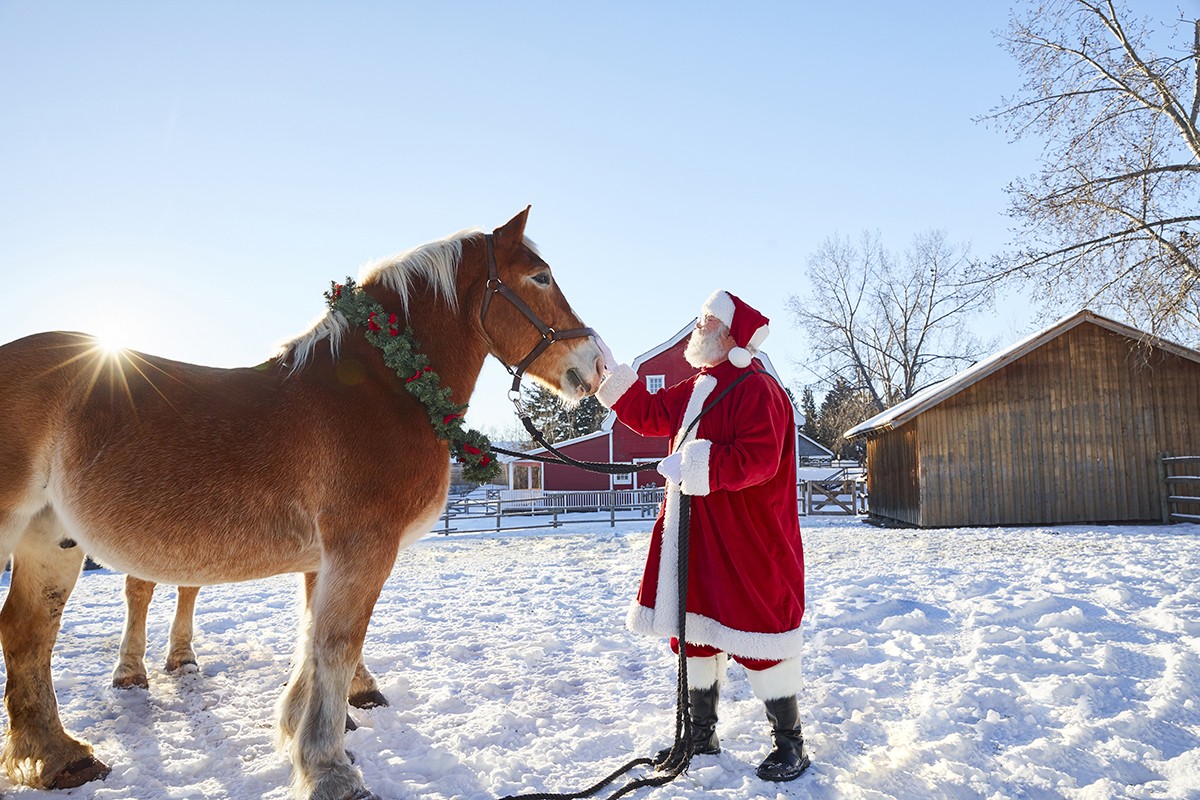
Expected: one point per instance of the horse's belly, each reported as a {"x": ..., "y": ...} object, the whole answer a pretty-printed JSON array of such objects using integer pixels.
[
  {"x": 193, "y": 564},
  {"x": 196, "y": 562},
  {"x": 192, "y": 549}
]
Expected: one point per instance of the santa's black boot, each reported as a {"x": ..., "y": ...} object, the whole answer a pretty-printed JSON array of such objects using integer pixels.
[
  {"x": 702, "y": 708},
  {"x": 788, "y": 760}
]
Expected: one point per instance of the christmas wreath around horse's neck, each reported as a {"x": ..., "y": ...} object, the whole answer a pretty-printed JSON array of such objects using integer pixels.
[{"x": 402, "y": 353}]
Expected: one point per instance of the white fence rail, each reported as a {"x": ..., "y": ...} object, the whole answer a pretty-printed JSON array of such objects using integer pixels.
[{"x": 523, "y": 509}]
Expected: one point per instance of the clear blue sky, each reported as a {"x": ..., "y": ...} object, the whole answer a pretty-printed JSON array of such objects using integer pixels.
[{"x": 188, "y": 177}]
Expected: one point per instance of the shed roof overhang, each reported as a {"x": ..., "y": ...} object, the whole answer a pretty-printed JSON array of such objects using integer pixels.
[{"x": 931, "y": 396}]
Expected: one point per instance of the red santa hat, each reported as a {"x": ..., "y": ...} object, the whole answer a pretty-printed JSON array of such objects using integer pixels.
[{"x": 746, "y": 325}]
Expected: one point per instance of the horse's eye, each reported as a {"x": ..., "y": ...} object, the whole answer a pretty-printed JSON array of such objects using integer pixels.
[{"x": 542, "y": 278}]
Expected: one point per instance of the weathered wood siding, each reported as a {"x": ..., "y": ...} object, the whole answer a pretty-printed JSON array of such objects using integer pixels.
[
  {"x": 1070, "y": 432},
  {"x": 894, "y": 486}
]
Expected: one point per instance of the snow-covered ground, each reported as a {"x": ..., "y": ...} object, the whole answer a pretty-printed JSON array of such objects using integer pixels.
[{"x": 976, "y": 663}]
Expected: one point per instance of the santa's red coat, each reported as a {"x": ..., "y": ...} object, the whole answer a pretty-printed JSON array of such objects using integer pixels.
[{"x": 746, "y": 568}]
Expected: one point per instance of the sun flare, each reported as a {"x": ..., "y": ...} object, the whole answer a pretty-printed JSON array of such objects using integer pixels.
[{"x": 109, "y": 345}]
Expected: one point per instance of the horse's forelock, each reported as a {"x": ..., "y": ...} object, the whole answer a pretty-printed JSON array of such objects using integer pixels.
[{"x": 435, "y": 264}]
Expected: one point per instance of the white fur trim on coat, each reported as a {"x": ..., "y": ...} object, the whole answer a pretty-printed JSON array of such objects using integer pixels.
[
  {"x": 693, "y": 469},
  {"x": 720, "y": 305},
  {"x": 706, "y": 630},
  {"x": 616, "y": 384},
  {"x": 662, "y": 620},
  {"x": 785, "y": 679},
  {"x": 704, "y": 673},
  {"x": 666, "y": 601}
]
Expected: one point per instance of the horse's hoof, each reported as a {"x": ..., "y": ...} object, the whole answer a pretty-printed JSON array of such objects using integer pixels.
[
  {"x": 350, "y": 724},
  {"x": 371, "y": 699},
  {"x": 79, "y": 772},
  {"x": 131, "y": 681},
  {"x": 176, "y": 666}
]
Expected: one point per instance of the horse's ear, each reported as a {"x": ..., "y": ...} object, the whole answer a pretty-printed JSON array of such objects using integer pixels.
[{"x": 513, "y": 231}]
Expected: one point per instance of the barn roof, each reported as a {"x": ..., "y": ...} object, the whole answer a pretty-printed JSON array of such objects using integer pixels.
[
  {"x": 931, "y": 396},
  {"x": 567, "y": 442},
  {"x": 679, "y": 336}
]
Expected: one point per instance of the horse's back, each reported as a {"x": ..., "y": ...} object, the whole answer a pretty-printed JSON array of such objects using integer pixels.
[{"x": 135, "y": 450}]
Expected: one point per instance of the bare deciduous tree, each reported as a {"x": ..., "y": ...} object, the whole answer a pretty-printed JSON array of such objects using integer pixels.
[
  {"x": 889, "y": 327},
  {"x": 1113, "y": 218}
]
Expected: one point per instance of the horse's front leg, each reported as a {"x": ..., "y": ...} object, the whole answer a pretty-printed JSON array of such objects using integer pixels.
[
  {"x": 131, "y": 661},
  {"x": 312, "y": 712},
  {"x": 181, "y": 653},
  {"x": 37, "y": 751},
  {"x": 364, "y": 689}
]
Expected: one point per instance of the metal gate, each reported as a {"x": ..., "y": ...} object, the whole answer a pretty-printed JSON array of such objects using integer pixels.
[{"x": 1181, "y": 488}]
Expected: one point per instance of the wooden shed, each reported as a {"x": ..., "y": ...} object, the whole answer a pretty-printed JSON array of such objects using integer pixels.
[{"x": 1064, "y": 426}]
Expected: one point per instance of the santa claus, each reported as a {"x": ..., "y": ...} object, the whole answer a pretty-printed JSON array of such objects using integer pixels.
[{"x": 745, "y": 587}]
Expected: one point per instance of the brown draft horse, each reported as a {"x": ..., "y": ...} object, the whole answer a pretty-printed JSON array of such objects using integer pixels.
[
  {"x": 316, "y": 461},
  {"x": 130, "y": 670}
]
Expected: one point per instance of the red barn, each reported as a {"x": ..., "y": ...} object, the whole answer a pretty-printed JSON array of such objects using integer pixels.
[{"x": 660, "y": 367}]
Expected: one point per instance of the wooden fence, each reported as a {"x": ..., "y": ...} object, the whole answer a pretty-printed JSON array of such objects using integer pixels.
[
  {"x": 832, "y": 497},
  {"x": 1181, "y": 488}
]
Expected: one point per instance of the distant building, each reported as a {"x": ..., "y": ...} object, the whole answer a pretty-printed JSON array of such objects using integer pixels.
[
  {"x": 660, "y": 367},
  {"x": 1064, "y": 426}
]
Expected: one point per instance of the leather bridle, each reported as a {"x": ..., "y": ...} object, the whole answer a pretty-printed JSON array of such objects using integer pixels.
[{"x": 549, "y": 335}]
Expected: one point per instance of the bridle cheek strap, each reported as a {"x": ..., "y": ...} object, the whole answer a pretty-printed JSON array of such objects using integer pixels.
[{"x": 549, "y": 335}]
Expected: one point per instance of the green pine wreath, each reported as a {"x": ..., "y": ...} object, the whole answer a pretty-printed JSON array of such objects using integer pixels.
[{"x": 402, "y": 353}]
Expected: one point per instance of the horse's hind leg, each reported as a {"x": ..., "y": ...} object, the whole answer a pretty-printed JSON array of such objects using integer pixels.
[
  {"x": 131, "y": 663},
  {"x": 364, "y": 689},
  {"x": 181, "y": 653},
  {"x": 37, "y": 751}
]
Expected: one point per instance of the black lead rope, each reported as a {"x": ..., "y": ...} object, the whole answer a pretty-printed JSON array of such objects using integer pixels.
[
  {"x": 679, "y": 757},
  {"x": 603, "y": 467}
]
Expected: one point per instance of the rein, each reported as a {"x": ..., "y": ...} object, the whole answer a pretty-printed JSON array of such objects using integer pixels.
[{"x": 599, "y": 466}]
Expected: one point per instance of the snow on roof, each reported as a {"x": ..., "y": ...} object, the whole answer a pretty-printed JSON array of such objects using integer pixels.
[
  {"x": 931, "y": 396},
  {"x": 682, "y": 333},
  {"x": 566, "y": 442}
]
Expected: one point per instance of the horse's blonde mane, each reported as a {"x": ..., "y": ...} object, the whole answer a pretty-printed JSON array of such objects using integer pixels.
[{"x": 435, "y": 264}]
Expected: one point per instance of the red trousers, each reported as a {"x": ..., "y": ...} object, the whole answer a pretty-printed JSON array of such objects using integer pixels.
[{"x": 704, "y": 651}]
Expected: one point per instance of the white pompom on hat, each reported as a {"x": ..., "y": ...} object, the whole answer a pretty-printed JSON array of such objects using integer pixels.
[{"x": 747, "y": 326}]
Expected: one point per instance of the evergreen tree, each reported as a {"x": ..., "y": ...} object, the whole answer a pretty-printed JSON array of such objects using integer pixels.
[
  {"x": 842, "y": 408},
  {"x": 808, "y": 407},
  {"x": 559, "y": 421}
]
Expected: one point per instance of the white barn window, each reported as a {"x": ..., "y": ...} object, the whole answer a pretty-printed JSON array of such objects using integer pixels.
[{"x": 655, "y": 382}]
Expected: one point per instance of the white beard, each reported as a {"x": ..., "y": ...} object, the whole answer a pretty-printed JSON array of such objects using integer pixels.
[{"x": 704, "y": 351}]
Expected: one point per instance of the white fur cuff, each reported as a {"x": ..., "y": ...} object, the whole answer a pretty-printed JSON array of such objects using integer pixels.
[
  {"x": 694, "y": 467},
  {"x": 782, "y": 680},
  {"x": 704, "y": 673},
  {"x": 616, "y": 384}
]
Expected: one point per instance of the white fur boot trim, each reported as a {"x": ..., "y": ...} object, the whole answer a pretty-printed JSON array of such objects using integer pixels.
[
  {"x": 704, "y": 673},
  {"x": 782, "y": 680}
]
